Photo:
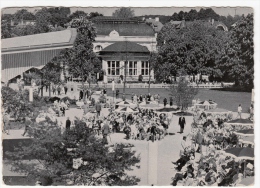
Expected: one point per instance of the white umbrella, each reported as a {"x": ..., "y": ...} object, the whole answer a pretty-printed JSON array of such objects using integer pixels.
[{"x": 126, "y": 110}]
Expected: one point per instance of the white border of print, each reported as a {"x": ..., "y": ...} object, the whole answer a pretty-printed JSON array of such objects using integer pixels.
[{"x": 167, "y": 3}]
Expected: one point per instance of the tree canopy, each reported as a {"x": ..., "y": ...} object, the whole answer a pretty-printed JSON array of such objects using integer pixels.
[
  {"x": 195, "y": 48},
  {"x": 74, "y": 157},
  {"x": 124, "y": 12},
  {"x": 81, "y": 60},
  {"x": 183, "y": 94},
  {"x": 237, "y": 60}
]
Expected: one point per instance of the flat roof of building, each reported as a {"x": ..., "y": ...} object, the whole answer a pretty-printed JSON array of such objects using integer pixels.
[{"x": 42, "y": 40}]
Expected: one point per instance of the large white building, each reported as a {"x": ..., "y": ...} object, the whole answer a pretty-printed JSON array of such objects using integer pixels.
[{"x": 119, "y": 42}]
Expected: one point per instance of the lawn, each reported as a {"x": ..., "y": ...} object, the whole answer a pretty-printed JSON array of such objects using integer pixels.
[{"x": 225, "y": 99}]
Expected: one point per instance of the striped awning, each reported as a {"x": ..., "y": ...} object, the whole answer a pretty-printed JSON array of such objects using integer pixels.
[{"x": 16, "y": 63}]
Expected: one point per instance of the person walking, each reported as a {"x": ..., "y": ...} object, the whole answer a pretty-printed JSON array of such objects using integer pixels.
[
  {"x": 68, "y": 123},
  {"x": 98, "y": 108},
  {"x": 182, "y": 123},
  {"x": 164, "y": 102},
  {"x": 6, "y": 119},
  {"x": 239, "y": 111}
]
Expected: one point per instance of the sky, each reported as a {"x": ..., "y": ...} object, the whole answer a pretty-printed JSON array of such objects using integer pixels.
[{"x": 224, "y": 11}]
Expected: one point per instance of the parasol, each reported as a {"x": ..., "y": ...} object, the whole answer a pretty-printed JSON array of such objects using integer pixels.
[
  {"x": 241, "y": 153},
  {"x": 248, "y": 140},
  {"x": 125, "y": 104},
  {"x": 126, "y": 110},
  {"x": 240, "y": 122},
  {"x": 245, "y": 132}
]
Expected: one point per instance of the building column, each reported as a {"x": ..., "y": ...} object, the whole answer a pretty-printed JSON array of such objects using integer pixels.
[{"x": 139, "y": 68}]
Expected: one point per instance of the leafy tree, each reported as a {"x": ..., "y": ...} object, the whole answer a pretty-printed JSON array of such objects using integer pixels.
[
  {"x": 94, "y": 14},
  {"x": 124, "y": 12},
  {"x": 175, "y": 17},
  {"x": 17, "y": 103},
  {"x": 24, "y": 30},
  {"x": 60, "y": 16},
  {"x": 75, "y": 157},
  {"x": 5, "y": 29},
  {"x": 237, "y": 60},
  {"x": 81, "y": 60},
  {"x": 78, "y": 14},
  {"x": 43, "y": 21},
  {"x": 207, "y": 13},
  {"x": 23, "y": 14},
  {"x": 195, "y": 48},
  {"x": 183, "y": 94}
]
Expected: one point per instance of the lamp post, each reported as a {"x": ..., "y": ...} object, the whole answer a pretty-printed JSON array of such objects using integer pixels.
[{"x": 113, "y": 88}]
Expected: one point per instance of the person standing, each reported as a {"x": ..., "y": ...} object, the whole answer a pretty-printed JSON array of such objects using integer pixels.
[
  {"x": 117, "y": 94},
  {"x": 98, "y": 108},
  {"x": 6, "y": 119},
  {"x": 123, "y": 97},
  {"x": 239, "y": 111},
  {"x": 105, "y": 132},
  {"x": 27, "y": 123},
  {"x": 80, "y": 95},
  {"x": 105, "y": 92},
  {"x": 54, "y": 89},
  {"x": 182, "y": 123},
  {"x": 199, "y": 139},
  {"x": 68, "y": 123},
  {"x": 183, "y": 146},
  {"x": 59, "y": 90},
  {"x": 171, "y": 101},
  {"x": 164, "y": 102},
  {"x": 85, "y": 108},
  {"x": 141, "y": 98},
  {"x": 65, "y": 89}
]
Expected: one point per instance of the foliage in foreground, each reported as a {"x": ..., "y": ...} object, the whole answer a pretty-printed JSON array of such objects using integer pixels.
[{"x": 76, "y": 157}]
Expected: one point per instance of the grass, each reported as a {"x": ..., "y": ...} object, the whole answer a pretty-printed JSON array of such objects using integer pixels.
[{"x": 225, "y": 99}]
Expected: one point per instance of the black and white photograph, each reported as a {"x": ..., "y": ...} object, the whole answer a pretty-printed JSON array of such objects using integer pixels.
[{"x": 128, "y": 96}]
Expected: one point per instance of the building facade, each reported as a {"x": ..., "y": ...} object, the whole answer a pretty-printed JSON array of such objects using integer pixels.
[{"x": 123, "y": 45}]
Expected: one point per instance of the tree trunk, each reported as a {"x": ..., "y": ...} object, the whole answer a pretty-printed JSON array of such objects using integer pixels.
[
  {"x": 149, "y": 81},
  {"x": 83, "y": 88},
  {"x": 42, "y": 91},
  {"x": 49, "y": 90}
]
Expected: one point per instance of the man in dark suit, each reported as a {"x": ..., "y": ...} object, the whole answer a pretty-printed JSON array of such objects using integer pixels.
[
  {"x": 182, "y": 123},
  {"x": 68, "y": 123}
]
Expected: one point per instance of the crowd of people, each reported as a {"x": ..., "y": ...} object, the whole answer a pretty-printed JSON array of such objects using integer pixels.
[{"x": 213, "y": 168}]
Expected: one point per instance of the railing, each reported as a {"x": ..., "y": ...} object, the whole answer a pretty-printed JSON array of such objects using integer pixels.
[{"x": 145, "y": 85}]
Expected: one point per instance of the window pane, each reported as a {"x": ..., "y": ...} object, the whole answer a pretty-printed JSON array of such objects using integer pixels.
[
  {"x": 147, "y": 64},
  {"x": 130, "y": 64},
  {"x": 108, "y": 64},
  {"x": 113, "y": 64},
  {"x": 142, "y": 71},
  {"x": 135, "y": 72},
  {"x": 113, "y": 72},
  {"x": 117, "y": 71},
  {"x": 109, "y": 71},
  {"x": 142, "y": 64},
  {"x": 117, "y": 64},
  {"x": 146, "y": 71},
  {"x": 130, "y": 71}
]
